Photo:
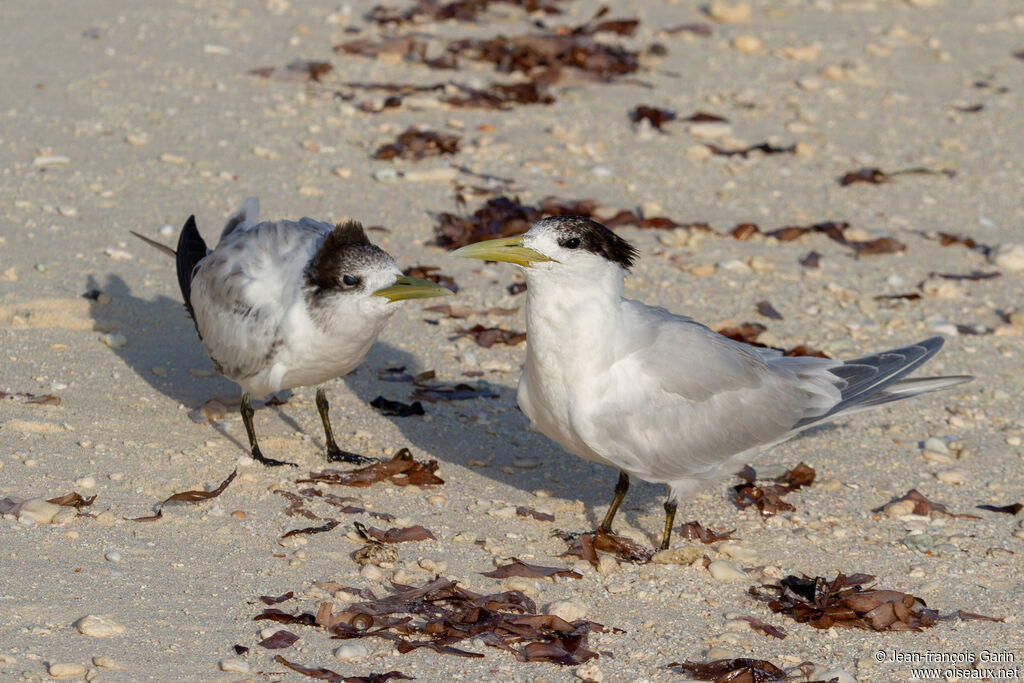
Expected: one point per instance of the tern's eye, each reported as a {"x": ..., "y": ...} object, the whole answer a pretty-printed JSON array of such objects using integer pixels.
[
  {"x": 350, "y": 280},
  {"x": 571, "y": 243}
]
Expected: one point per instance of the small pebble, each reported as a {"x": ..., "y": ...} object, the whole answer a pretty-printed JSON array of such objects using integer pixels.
[
  {"x": 233, "y": 665},
  {"x": 709, "y": 130},
  {"x": 137, "y": 139},
  {"x": 729, "y": 14},
  {"x": 64, "y": 516},
  {"x": 371, "y": 572},
  {"x": 385, "y": 175},
  {"x": 99, "y": 626},
  {"x": 607, "y": 565},
  {"x": 921, "y": 543},
  {"x": 953, "y": 476},
  {"x": 570, "y": 610},
  {"x": 720, "y": 653},
  {"x": 175, "y": 159},
  {"x": 526, "y": 462},
  {"x": 899, "y": 508},
  {"x": 723, "y": 570},
  {"x": 521, "y": 584},
  {"x": 85, "y": 482},
  {"x": 51, "y": 160},
  {"x": 737, "y": 552},
  {"x": 112, "y": 556},
  {"x": 37, "y": 511},
  {"x": 686, "y": 555},
  {"x": 616, "y": 588},
  {"x": 349, "y": 652},
  {"x": 1009, "y": 255},
  {"x": 104, "y": 662},
  {"x": 747, "y": 44},
  {"x": 66, "y": 670},
  {"x": 590, "y": 672},
  {"x": 114, "y": 340}
]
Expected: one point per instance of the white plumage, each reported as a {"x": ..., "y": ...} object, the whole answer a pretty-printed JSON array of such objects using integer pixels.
[
  {"x": 660, "y": 396},
  {"x": 283, "y": 304}
]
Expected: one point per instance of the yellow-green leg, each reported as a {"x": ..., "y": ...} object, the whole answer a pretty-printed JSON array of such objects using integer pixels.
[{"x": 620, "y": 492}]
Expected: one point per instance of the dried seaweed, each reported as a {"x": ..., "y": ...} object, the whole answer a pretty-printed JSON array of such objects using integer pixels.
[
  {"x": 832, "y": 229},
  {"x": 415, "y": 144},
  {"x": 312, "y": 529},
  {"x": 876, "y": 176},
  {"x": 694, "y": 531},
  {"x": 923, "y": 506},
  {"x": 1011, "y": 509},
  {"x": 656, "y": 117},
  {"x": 700, "y": 30},
  {"x": 842, "y": 602},
  {"x": 281, "y": 617},
  {"x": 270, "y": 600},
  {"x": 296, "y": 70},
  {"x": 909, "y": 296},
  {"x": 198, "y": 496},
  {"x": 449, "y": 614},
  {"x": 401, "y": 470},
  {"x": 811, "y": 260},
  {"x": 489, "y": 336},
  {"x": 587, "y": 545},
  {"x": 395, "y": 535},
  {"x": 524, "y": 511},
  {"x": 32, "y": 399},
  {"x": 973, "y": 276},
  {"x": 459, "y": 10},
  {"x": 454, "y": 392},
  {"x": 747, "y": 333},
  {"x": 767, "y": 310},
  {"x": 456, "y": 311},
  {"x": 429, "y": 273},
  {"x": 764, "y": 148},
  {"x": 739, "y": 670},
  {"x": 396, "y": 408},
  {"x": 186, "y": 497},
  {"x": 334, "y": 677},
  {"x": 531, "y": 571},
  {"x": 764, "y": 627},
  {"x": 280, "y": 640},
  {"x": 769, "y": 498},
  {"x": 73, "y": 499},
  {"x": 500, "y": 95}
]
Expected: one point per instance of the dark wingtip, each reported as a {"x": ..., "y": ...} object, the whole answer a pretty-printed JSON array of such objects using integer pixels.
[{"x": 191, "y": 250}]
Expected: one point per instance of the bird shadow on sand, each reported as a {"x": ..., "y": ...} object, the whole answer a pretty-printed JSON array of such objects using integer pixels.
[
  {"x": 164, "y": 350},
  {"x": 498, "y": 446}
]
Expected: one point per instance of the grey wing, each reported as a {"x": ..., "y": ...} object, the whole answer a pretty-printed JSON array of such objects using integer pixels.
[
  {"x": 243, "y": 289},
  {"x": 687, "y": 399}
]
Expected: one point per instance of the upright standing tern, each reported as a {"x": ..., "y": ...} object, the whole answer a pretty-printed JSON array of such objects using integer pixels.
[
  {"x": 285, "y": 304},
  {"x": 657, "y": 395}
]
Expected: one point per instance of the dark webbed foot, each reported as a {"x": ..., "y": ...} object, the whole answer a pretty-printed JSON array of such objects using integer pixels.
[
  {"x": 335, "y": 454},
  {"x": 269, "y": 462},
  {"x": 254, "y": 446}
]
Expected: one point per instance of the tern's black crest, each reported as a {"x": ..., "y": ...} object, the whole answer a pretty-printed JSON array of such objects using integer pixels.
[
  {"x": 345, "y": 251},
  {"x": 593, "y": 237},
  {"x": 191, "y": 250}
]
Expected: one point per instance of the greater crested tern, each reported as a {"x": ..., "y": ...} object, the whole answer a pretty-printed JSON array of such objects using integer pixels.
[
  {"x": 284, "y": 304},
  {"x": 660, "y": 396}
]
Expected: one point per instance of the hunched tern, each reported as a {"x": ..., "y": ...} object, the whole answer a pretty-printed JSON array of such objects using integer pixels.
[
  {"x": 660, "y": 396},
  {"x": 283, "y": 304}
]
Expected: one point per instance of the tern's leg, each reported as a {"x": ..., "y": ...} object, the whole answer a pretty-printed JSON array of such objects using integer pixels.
[
  {"x": 257, "y": 455},
  {"x": 334, "y": 454},
  {"x": 620, "y": 492},
  {"x": 670, "y": 518}
]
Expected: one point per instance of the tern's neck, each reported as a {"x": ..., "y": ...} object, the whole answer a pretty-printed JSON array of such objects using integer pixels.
[{"x": 566, "y": 312}]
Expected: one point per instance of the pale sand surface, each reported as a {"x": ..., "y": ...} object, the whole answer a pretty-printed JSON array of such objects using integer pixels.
[{"x": 173, "y": 75}]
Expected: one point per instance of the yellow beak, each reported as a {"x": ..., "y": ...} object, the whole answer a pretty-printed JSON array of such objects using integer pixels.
[
  {"x": 509, "y": 249},
  {"x": 406, "y": 287}
]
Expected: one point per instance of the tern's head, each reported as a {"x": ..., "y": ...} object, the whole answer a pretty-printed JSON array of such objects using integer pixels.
[
  {"x": 350, "y": 273},
  {"x": 563, "y": 245}
]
